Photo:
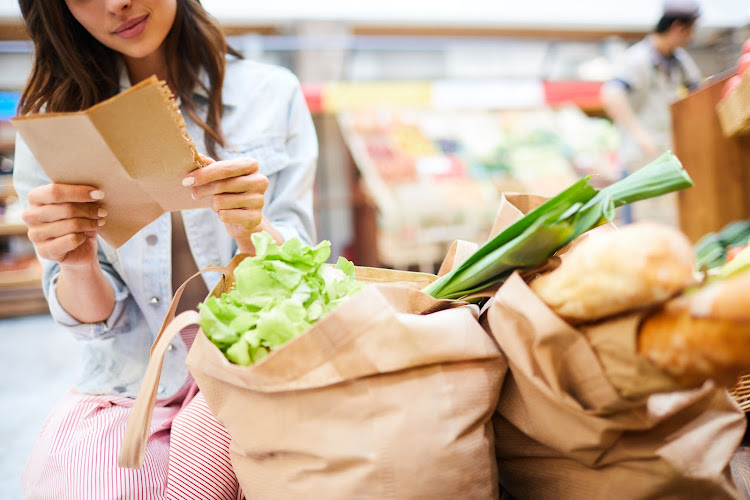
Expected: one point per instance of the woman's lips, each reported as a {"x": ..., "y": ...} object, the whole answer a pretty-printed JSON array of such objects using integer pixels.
[{"x": 132, "y": 28}]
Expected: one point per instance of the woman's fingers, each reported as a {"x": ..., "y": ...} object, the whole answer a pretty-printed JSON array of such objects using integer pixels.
[
  {"x": 206, "y": 159},
  {"x": 228, "y": 201},
  {"x": 51, "y": 230},
  {"x": 220, "y": 170},
  {"x": 237, "y": 189},
  {"x": 55, "y": 249},
  {"x": 245, "y": 218},
  {"x": 37, "y": 214},
  {"x": 254, "y": 183},
  {"x": 64, "y": 193},
  {"x": 61, "y": 218}
]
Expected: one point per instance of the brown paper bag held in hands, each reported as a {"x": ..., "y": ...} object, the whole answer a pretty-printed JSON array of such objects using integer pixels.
[
  {"x": 375, "y": 401},
  {"x": 578, "y": 417},
  {"x": 131, "y": 146}
]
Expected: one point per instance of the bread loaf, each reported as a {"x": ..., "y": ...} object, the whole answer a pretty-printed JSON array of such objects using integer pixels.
[
  {"x": 618, "y": 271},
  {"x": 701, "y": 335}
]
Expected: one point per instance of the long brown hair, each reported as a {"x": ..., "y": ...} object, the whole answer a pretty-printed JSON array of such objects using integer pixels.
[{"x": 73, "y": 71}]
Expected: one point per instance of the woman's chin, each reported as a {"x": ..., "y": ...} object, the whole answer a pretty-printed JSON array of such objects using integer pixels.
[{"x": 139, "y": 52}]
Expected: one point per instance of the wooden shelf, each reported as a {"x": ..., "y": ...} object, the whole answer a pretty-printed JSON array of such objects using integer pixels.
[
  {"x": 23, "y": 300},
  {"x": 21, "y": 289}
]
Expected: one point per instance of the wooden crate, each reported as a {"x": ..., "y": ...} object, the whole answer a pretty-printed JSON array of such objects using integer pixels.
[
  {"x": 734, "y": 110},
  {"x": 718, "y": 165}
]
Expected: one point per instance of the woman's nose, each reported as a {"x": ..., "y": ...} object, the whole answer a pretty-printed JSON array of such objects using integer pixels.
[{"x": 117, "y": 6}]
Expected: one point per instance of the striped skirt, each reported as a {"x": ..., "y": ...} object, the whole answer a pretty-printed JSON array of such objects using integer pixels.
[{"x": 75, "y": 455}]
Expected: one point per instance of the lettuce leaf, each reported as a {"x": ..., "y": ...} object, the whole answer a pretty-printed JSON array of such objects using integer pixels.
[{"x": 278, "y": 295}]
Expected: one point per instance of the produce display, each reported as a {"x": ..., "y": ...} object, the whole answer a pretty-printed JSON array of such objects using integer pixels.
[
  {"x": 743, "y": 63},
  {"x": 714, "y": 249},
  {"x": 534, "y": 148},
  {"x": 733, "y": 107},
  {"x": 278, "y": 294},
  {"x": 436, "y": 176},
  {"x": 737, "y": 262}
]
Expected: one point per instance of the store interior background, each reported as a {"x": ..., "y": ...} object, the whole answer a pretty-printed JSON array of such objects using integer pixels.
[{"x": 490, "y": 95}]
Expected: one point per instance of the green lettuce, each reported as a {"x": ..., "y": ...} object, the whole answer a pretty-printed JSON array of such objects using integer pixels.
[{"x": 277, "y": 295}]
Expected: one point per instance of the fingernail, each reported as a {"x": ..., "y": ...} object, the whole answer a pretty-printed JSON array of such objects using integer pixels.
[
  {"x": 101, "y": 212},
  {"x": 188, "y": 181},
  {"x": 101, "y": 222},
  {"x": 192, "y": 195},
  {"x": 96, "y": 194}
]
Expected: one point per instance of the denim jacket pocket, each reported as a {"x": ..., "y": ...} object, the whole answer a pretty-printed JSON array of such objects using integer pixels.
[{"x": 269, "y": 151}]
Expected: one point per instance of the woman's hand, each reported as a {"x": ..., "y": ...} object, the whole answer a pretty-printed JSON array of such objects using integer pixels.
[
  {"x": 63, "y": 221},
  {"x": 238, "y": 192}
]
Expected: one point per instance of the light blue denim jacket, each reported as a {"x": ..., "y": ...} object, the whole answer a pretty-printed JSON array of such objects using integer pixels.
[{"x": 266, "y": 118}]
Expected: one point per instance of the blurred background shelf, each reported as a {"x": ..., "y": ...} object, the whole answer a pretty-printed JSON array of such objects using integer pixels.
[
  {"x": 22, "y": 299},
  {"x": 20, "y": 272},
  {"x": 21, "y": 286}
]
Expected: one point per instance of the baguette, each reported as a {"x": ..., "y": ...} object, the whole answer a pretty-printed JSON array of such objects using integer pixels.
[
  {"x": 702, "y": 335},
  {"x": 618, "y": 271}
]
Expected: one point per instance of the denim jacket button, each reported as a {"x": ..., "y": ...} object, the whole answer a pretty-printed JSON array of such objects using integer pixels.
[
  {"x": 154, "y": 301},
  {"x": 160, "y": 389},
  {"x": 151, "y": 239},
  {"x": 170, "y": 347}
]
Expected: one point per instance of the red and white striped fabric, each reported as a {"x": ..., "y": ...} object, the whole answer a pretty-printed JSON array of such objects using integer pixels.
[
  {"x": 199, "y": 465},
  {"x": 75, "y": 455}
]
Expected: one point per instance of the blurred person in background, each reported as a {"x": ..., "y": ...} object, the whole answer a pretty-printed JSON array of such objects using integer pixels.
[
  {"x": 250, "y": 117},
  {"x": 648, "y": 78}
]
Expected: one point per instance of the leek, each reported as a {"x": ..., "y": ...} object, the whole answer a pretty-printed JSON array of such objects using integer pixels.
[
  {"x": 711, "y": 249},
  {"x": 545, "y": 230}
]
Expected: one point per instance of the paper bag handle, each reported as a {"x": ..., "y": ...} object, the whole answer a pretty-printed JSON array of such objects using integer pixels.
[{"x": 133, "y": 446}]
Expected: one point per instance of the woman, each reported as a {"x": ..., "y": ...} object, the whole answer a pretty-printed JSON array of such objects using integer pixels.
[{"x": 253, "y": 120}]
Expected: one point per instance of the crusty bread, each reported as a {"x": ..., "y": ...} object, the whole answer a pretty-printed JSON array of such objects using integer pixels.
[
  {"x": 702, "y": 335},
  {"x": 618, "y": 271}
]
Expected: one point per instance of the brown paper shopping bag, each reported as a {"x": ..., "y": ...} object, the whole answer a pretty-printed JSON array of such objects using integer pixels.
[
  {"x": 377, "y": 400},
  {"x": 582, "y": 416}
]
